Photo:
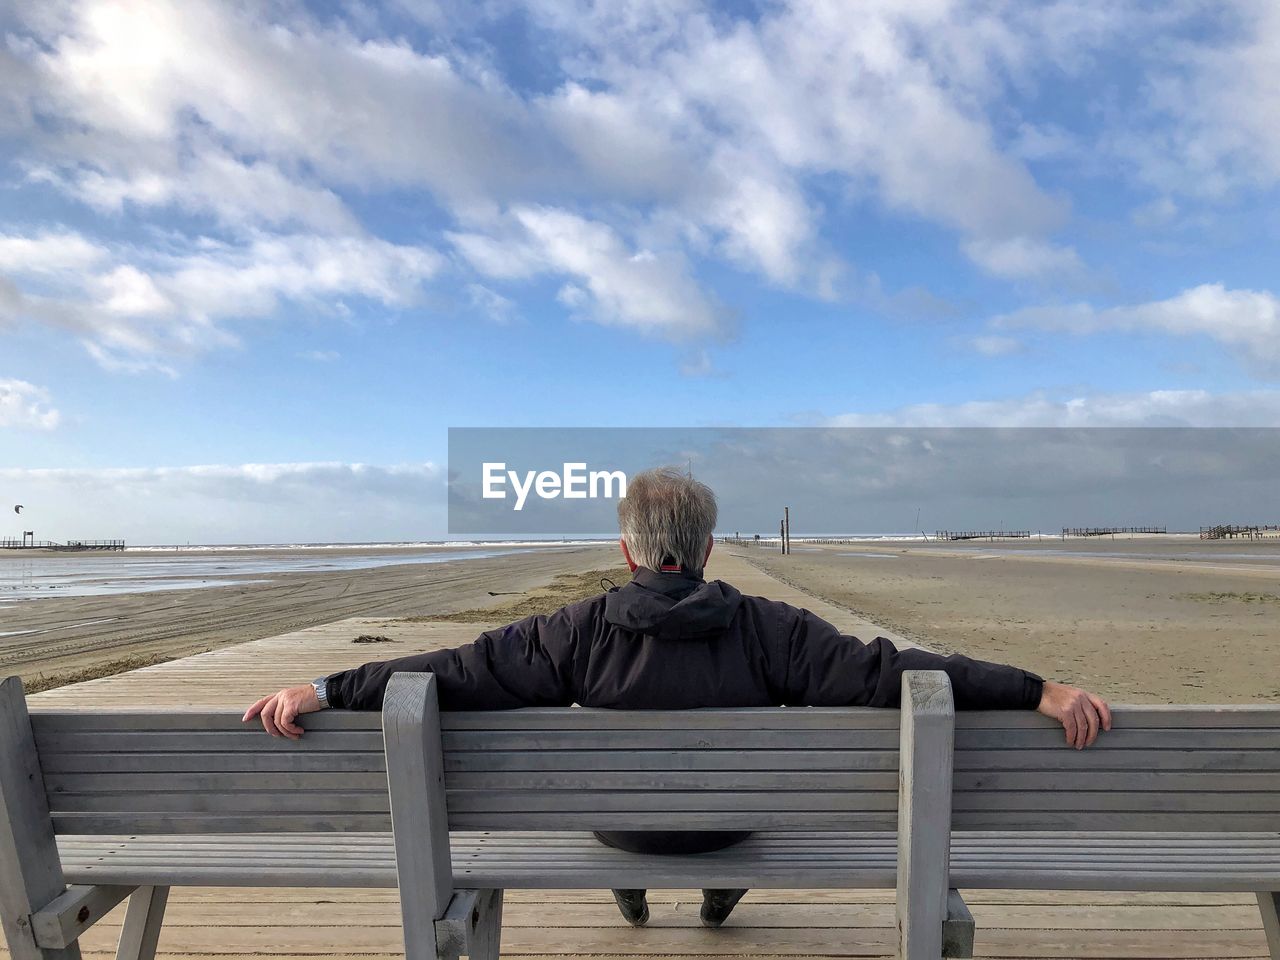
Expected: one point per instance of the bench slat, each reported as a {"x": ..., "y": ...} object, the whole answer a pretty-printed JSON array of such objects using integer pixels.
[
  {"x": 328, "y": 783},
  {"x": 991, "y": 860}
]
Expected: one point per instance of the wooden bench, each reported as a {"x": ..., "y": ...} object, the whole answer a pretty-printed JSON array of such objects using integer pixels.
[
  {"x": 1172, "y": 799},
  {"x": 97, "y": 806}
]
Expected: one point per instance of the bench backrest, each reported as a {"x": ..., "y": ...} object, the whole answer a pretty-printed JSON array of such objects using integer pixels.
[
  {"x": 1160, "y": 768},
  {"x": 538, "y": 769}
]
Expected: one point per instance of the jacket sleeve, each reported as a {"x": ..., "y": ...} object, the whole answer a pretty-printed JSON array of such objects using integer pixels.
[
  {"x": 528, "y": 663},
  {"x": 829, "y": 669}
]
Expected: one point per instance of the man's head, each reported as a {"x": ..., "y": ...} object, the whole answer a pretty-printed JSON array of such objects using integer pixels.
[{"x": 667, "y": 518}]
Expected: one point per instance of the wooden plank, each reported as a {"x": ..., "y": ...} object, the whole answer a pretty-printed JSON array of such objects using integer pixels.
[
  {"x": 284, "y": 822},
  {"x": 415, "y": 775},
  {"x": 1131, "y": 716},
  {"x": 30, "y": 872},
  {"x": 1135, "y": 781},
  {"x": 592, "y": 720},
  {"x": 713, "y": 719},
  {"x": 688, "y": 820},
  {"x": 924, "y": 813},
  {"x": 594, "y": 802},
  {"x": 1265, "y": 804},
  {"x": 1119, "y": 739},
  {"x": 141, "y": 930},
  {"x": 484, "y": 761},
  {"x": 62, "y": 922},
  {"x": 170, "y": 741},
  {"x": 1090, "y": 760},
  {"x": 1107, "y": 821},
  {"x": 308, "y": 785},
  {"x": 214, "y": 805},
  {"x": 713, "y": 782},
  {"x": 142, "y": 764},
  {"x": 580, "y": 739}
]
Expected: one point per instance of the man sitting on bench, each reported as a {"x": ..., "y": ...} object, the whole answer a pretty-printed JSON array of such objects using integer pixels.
[{"x": 670, "y": 640}]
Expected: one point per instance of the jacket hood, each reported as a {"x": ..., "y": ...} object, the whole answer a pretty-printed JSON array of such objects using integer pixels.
[{"x": 672, "y": 606}]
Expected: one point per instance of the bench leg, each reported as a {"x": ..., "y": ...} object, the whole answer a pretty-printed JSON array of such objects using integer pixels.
[
  {"x": 487, "y": 943},
  {"x": 1269, "y": 904},
  {"x": 958, "y": 928},
  {"x": 142, "y": 921},
  {"x": 30, "y": 871},
  {"x": 472, "y": 925}
]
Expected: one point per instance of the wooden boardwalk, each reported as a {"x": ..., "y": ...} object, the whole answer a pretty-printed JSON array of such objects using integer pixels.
[{"x": 291, "y": 923}]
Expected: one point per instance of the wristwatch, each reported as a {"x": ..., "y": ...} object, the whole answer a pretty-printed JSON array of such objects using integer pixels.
[{"x": 321, "y": 685}]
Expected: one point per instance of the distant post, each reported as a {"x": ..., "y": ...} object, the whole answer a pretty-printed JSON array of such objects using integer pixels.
[
  {"x": 782, "y": 536},
  {"x": 786, "y": 522}
]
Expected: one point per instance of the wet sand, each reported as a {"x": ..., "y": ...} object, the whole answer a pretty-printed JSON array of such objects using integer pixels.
[
  {"x": 1143, "y": 620},
  {"x": 74, "y": 637}
]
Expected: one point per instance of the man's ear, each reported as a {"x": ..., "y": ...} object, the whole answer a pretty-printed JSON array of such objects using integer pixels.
[
  {"x": 711, "y": 542},
  {"x": 626, "y": 555}
]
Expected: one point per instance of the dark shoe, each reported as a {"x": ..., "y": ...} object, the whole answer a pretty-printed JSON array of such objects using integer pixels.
[
  {"x": 634, "y": 907},
  {"x": 718, "y": 904}
]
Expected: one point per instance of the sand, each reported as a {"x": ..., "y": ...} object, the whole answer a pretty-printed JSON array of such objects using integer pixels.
[
  {"x": 144, "y": 628},
  {"x": 1145, "y": 620},
  {"x": 1157, "y": 619}
]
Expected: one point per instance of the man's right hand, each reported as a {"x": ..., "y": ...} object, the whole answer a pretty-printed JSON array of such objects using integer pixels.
[
  {"x": 279, "y": 710},
  {"x": 1081, "y": 713}
]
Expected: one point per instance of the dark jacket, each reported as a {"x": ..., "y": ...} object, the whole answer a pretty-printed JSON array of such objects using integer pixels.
[{"x": 668, "y": 641}]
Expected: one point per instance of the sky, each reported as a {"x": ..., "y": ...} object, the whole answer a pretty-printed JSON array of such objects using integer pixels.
[{"x": 256, "y": 259}]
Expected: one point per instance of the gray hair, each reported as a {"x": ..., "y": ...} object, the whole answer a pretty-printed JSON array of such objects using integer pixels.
[{"x": 667, "y": 517}]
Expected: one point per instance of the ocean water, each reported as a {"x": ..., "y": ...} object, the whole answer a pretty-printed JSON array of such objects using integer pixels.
[{"x": 24, "y": 578}]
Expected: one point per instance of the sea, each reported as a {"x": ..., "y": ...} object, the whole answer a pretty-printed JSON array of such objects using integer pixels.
[{"x": 27, "y": 576}]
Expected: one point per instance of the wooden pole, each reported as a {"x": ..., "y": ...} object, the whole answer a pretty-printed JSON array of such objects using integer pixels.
[{"x": 786, "y": 520}]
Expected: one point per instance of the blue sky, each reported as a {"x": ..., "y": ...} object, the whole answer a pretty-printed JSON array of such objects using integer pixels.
[{"x": 283, "y": 247}]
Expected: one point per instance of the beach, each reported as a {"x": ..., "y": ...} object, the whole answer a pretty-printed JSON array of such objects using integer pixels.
[
  {"x": 1163, "y": 619},
  {"x": 61, "y": 638},
  {"x": 1140, "y": 620}
]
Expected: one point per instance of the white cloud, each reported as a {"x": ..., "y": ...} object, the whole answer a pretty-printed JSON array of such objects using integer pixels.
[
  {"x": 887, "y": 97},
  {"x": 1157, "y": 408},
  {"x": 238, "y": 194},
  {"x": 24, "y": 405},
  {"x": 320, "y": 356},
  {"x": 1247, "y": 321},
  {"x": 996, "y": 346},
  {"x": 491, "y": 304},
  {"x": 613, "y": 284},
  {"x": 1157, "y": 213},
  {"x": 48, "y": 253},
  {"x": 235, "y": 503},
  {"x": 138, "y": 78},
  {"x": 139, "y": 316},
  {"x": 1024, "y": 257},
  {"x": 1209, "y": 127}
]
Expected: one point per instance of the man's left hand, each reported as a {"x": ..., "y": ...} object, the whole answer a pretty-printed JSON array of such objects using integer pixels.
[
  {"x": 1082, "y": 714},
  {"x": 279, "y": 711}
]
